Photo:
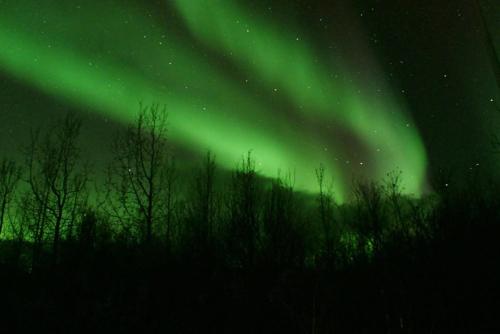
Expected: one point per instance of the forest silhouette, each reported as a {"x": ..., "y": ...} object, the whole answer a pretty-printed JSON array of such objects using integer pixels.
[{"x": 154, "y": 248}]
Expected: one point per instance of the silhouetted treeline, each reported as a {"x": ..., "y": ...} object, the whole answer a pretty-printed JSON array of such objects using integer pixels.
[{"x": 155, "y": 247}]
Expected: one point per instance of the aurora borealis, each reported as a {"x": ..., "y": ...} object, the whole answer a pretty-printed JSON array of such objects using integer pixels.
[{"x": 232, "y": 79}]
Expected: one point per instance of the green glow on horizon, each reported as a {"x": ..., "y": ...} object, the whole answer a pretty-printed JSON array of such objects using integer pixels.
[{"x": 111, "y": 61}]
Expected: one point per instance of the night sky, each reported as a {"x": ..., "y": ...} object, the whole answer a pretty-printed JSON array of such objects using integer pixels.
[{"x": 364, "y": 87}]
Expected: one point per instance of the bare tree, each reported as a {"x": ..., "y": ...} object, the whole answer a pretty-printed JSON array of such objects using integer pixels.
[
  {"x": 243, "y": 206},
  {"x": 326, "y": 205},
  {"x": 201, "y": 212},
  {"x": 284, "y": 238},
  {"x": 204, "y": 204},
  {"x": 10, "y": 175},
  {"x": 140, "y": 179},
  {"x": 170, "y": 179},
  {"x": 394, "y": 194},
  {"x": 370, "y": 207},
  {"x": 57, "y": 179}
]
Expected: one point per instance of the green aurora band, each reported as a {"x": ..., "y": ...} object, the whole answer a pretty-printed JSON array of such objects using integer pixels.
[{"x": 110, "y": 61}]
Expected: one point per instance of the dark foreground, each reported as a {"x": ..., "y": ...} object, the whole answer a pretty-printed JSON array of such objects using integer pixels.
[
  {"x": 150, "y": 250},
  {"x": 444, "y": 285}
]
